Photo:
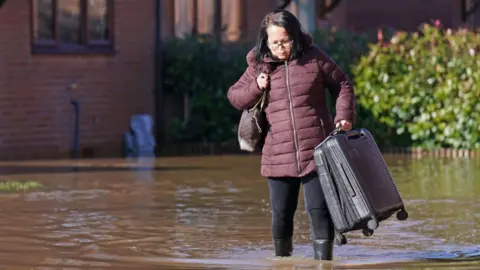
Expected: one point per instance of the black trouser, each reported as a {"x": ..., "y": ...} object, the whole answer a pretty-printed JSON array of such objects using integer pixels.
[{"x": 284, "y": 193}]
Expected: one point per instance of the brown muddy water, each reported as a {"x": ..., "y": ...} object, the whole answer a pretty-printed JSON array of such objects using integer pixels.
[{"x": 213, "y": 213}]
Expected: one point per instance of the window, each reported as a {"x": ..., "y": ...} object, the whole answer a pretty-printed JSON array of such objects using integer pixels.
[{"x": 72, "y": 26}]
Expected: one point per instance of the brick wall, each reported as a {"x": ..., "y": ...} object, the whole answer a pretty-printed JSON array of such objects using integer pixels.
[
  {"x": 401, "y": 14},
  {"x": 36, "y": 118},
  {"x": 363, "y": 15},
  {"x": 255, "y": 11}
]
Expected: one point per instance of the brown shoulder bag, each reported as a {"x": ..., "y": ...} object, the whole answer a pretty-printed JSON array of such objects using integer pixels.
[{"x": 252, "y": 126}]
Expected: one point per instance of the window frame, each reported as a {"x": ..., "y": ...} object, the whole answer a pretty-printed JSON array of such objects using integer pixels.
[{"x": 55, "y": 46}]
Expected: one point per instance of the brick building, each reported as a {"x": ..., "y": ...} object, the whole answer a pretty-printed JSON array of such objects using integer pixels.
[
  {"x": 107, "y": 50},
  {"x": 41, "y": 55},
  {"x": 242, "y": 17}
]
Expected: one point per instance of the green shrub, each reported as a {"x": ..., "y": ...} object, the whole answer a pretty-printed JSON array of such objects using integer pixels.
[
  {"x": 425, "y": 86},
  {"x": 198, "y": 68},
  {"x": 346, "y": 48},
  {"x": 13, "y": 186}
]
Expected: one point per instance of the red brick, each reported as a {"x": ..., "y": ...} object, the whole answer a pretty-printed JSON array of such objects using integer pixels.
[
  {"x": 35, "y": 114},
  {"x": 404, "y": 15}
]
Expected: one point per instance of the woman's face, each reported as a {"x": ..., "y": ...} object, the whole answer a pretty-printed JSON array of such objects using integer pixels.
[{"x": 279, "y": 42}]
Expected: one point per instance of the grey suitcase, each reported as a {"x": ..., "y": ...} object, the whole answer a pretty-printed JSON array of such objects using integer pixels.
[{"x": 358, "y": 187}]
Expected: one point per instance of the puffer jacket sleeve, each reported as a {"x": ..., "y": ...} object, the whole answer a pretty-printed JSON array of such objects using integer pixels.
[
  {"x": 339, "y": 86},
  {"x": 244, "y": 93}
]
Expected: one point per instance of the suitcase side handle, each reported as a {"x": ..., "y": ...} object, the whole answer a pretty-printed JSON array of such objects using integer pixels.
[{"x": 336, "y": 131}]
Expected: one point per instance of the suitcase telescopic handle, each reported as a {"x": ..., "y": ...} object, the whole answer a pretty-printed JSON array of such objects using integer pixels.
[
  {"x": 352, "y": 132},
  {"x": 351, "y": 135},
  {"x": 355, "y": 135}
]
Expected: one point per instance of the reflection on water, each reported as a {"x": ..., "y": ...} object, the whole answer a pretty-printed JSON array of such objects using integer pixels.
[{"x": 213, "y": 212}]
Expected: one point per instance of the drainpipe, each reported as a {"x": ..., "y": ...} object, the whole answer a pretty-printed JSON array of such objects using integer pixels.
[
  {"x": 307, "y": 14},
  {"x": 76, "y": 131},
  {"x": 76, "y": 125},
  {"x": 217, "y": 21},
  {"x": 158, "y": 72}
]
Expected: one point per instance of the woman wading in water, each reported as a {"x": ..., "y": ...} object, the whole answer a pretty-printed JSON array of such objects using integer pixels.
[{"x": 296, "y": 74}]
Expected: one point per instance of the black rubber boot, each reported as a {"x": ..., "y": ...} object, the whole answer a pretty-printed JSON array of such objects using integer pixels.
[
  {"x": 283, "y": 247},
  {"x": 323, "y": 250}
]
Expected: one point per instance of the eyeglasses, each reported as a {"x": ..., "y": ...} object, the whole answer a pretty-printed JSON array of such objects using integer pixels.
[{"x": 284, "y": 44}]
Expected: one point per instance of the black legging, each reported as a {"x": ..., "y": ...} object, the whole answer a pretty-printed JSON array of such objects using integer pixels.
[{"x": 284, "y": 199}]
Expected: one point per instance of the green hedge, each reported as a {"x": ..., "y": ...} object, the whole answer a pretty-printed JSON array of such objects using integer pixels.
[
  {"x": 197, "y": 68},
  {"x": 346, "y": 48},
  {"x": 424, "y": 86}
]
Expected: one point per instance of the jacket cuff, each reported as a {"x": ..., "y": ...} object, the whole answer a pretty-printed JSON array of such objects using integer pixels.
[
  {"x": 345, "y": 115},
  {"x": 254, "y": 90}
]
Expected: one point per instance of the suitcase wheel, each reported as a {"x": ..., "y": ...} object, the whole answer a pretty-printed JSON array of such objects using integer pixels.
[
  {"x": 340, "y": 239},
  {"x": 402, "y": 215},
  {"x": 367, "y": 232},
  {"x": 372, "y": 224}
]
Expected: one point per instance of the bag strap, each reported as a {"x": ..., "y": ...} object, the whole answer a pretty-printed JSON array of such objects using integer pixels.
[
  {"x": 263, "y": 99},
  {"x": 261, "y": 102}
]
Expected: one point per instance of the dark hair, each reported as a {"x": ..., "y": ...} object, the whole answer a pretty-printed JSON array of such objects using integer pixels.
[{"x": 293, "y": 27}]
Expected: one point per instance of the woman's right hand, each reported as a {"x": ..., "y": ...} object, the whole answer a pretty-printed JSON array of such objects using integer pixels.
[{"x": 262, "y": 81}]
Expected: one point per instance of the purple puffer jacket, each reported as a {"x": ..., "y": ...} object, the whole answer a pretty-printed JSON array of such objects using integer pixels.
[{"x": 297, "y": 110}]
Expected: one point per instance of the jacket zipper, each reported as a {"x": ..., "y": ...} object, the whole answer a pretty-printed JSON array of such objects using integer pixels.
[{"x": 297, "y": 153}]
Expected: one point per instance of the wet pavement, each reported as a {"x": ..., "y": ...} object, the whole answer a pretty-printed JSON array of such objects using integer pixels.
[{"x": 213, "y": 213}]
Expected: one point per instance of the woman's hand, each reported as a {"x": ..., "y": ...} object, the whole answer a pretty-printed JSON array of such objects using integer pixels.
[
  {"x": 262, "y": 81},
  {"x": 344, "y": 125}
]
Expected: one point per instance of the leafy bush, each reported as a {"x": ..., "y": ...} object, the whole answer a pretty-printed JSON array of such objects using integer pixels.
[
  {"x": 425, "y": 86},
  {"x": 346, "y": 48},
  {"x": 201, "y": 71}
]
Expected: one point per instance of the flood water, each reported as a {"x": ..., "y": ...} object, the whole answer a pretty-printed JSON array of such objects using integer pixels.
[{"x": 214, "y": 213}]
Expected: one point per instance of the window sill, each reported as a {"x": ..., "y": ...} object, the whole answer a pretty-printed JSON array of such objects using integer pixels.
[{"x": 80, "y": 50}]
